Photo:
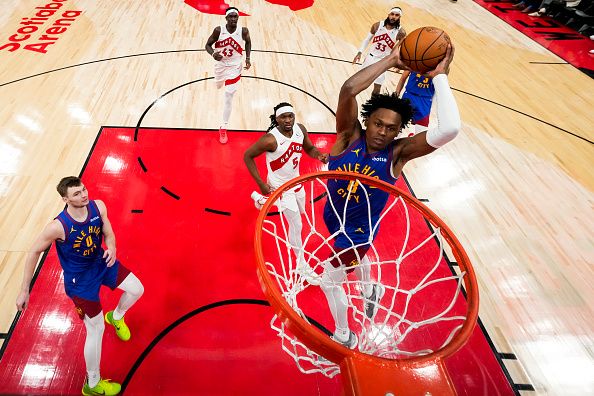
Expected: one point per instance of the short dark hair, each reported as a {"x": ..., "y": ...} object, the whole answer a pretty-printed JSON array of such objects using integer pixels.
[
  {"x": 390, "y": 102},
  {"x": 273, "y": 122},
  {"x": 66, "y": 183}
]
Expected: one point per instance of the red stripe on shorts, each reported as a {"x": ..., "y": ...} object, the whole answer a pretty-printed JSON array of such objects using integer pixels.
[{"x": 233, "y": 80}]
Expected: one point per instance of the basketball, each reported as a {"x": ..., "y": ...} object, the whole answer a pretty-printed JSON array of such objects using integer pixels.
[{"x": 423, "y": 48}]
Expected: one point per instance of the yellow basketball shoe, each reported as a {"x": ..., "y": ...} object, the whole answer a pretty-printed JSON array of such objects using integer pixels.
[
  {"x": 103, "y": 387},
  {"x": 121, "y": 328}
]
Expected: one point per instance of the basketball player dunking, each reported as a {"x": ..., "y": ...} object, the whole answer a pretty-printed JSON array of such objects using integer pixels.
[
  {"x": 283, "y": 145},
  {"x": 230, "y": 41},
  {"x": 374, "y": 152},
  {"x": 78, "y": 233},
  {"x": 384, "y": 36}
]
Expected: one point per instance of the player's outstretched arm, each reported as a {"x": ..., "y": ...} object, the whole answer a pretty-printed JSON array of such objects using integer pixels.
[
  {"x": 211, "y": 40},
  {"x": 50, "y": 233},
  {"x": 265, "y": 143},
  {"x": 108, "y": 234}
]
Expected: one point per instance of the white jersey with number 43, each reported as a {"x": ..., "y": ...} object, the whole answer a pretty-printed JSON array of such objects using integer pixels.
[
  {"x": 230, "y": 45},
  {"x": 283, "y": 163},
  {"x": 383, "y": 41}
]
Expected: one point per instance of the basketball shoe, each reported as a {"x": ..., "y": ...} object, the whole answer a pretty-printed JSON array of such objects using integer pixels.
[
  {"x": 122, "y": 330},
  {"x": 350, "y": 342},
  {"x": 103, "y": 387},
  {"x": 371, "y": 303},
  {"x": 223, "y": 135}
]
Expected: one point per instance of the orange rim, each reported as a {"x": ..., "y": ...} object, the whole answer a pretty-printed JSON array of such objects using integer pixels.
[{"x": 319, "y": 342}]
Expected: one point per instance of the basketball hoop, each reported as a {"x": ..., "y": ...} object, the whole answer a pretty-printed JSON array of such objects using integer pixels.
[{"x": 400, "y": 352}]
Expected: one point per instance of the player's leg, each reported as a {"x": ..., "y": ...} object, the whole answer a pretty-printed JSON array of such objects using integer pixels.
[
  {"x": 92, "y": 315},
  {"x": 377, "y": 84},
  {"x": 292, "y": 204},
  {"x": 372, "y": 291},
  {"x": 332, "y": 286},
  {"x": 232, "y": 78},
  {"x": 121, "y": 277}
]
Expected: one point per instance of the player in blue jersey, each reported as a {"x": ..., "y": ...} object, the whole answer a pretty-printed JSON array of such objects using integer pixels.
[
  {"x": 78, "y": 232},
  {"x": 419, "y": 90},
  {"x": 374, "y": 152}
]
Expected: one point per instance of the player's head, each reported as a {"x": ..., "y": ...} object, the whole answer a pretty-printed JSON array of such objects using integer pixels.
[
  {"x": 73, "y": 192},
  {"x": 384, "y": 116},
  {"x": 283, "y": 117},
  {"x": 232, "y": 16},
  {"x": 394, "y": 17}
]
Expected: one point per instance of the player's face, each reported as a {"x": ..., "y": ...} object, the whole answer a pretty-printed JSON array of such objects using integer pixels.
[
  {"x": 77, "y": 197},
  {"x": 232, "y": 20},
  {"x": 286, "y": 121},
  {"x": 382, "y": 126},
  {"x": 393, "y": 17}
]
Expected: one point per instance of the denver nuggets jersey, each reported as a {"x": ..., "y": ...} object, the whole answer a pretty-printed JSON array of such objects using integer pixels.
[
  {"x": 283, "y": 163},
  {"x": 357, "y": 218},
  {"x": 81, "y": 248},
  {"x": 419, "y": 85},
  {"x": 383, "y": 41},
  {"x": 230, "y": 45}
]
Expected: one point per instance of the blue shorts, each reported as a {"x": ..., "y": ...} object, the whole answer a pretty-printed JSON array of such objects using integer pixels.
[
  {"x": 86, "y": 284},
  {"x": 357, "y": 231},
  {"x": 421, "y": 106}
]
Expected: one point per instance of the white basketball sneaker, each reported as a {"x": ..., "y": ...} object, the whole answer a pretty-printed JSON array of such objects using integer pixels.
[
  {"x": 259, "y": 199},
  {"x": 371, "y": 303}
]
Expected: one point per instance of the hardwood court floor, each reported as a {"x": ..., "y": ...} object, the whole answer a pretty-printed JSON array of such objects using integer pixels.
[{"x": 515, "y": 186}]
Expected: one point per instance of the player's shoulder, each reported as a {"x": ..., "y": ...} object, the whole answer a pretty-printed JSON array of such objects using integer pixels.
[
  {"x": 54, "y": 229},
  {"x": 302, "y": 127},
  {"x": 100, "y": 205},
  {"x": 375, "y": 27}
]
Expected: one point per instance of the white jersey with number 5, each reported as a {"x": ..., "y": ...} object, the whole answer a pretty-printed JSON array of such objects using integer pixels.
[
  {"x": 283, "y": 163},
  {"x": 383, "y": 41},
  {"x": 230, "y": 45}
]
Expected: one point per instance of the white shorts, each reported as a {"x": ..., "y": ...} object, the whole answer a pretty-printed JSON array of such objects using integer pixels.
[
  {"x": 227, "y": 75},
  {"x": 370, "y": 60},
  {"x": 292, "y": 200}
]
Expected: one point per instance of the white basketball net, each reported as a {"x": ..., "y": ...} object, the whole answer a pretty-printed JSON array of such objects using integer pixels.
[{"x": 397, "y": 327}]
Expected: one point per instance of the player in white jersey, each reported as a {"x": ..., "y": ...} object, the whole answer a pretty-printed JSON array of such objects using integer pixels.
[
  {"x": 230, "y": 41},
  {"x": 384, "y": 36},
  {"x": 284, "y": 144}
]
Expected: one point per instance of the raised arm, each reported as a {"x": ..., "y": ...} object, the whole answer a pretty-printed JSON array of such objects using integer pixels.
[
  {"x": 211, "y": 40},
  {"x": 108, "y": 235},
  {"x": 265, "y": 143},
  {"x": 348, "y": 127},
  {"x": 248, "y": 47},
  {"x": 50, "y": 233},
  {"x": 310, "y": 149}
]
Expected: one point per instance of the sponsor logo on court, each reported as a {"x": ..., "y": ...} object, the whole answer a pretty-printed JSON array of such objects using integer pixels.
[{"x": 41, "y": 29}]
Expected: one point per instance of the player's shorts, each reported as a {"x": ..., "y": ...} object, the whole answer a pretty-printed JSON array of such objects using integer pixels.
[
  {"x": 292, "y": 200},
  {"x": 370, "y": 60},
  {"x": 83, "y": 288},
  {"x": 421, "y": 107},
  {"x": 227, "y": 75}
]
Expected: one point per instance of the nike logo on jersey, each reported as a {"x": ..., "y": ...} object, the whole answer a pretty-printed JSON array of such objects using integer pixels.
[{"x": 281, "y": 143}]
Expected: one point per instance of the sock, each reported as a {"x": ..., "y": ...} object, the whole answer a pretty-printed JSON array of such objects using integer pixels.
[
  {"x": 227, "y": 106},
  {"x": 133, "y": 290},
  {"x": 92, "y": 351},
  {"x": 295, "y": 226},
  {"x": 331, "y": 285},
  {"x": 363, "y": 272}
]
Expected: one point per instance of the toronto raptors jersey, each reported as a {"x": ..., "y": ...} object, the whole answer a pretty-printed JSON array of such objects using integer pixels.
[
  {"x": 383, "y": 41},
  {"x": 283, "y": 163},
  {"x": 230, "y": 45}
]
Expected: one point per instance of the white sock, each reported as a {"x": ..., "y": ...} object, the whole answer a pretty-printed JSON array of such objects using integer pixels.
[
  {"x": 227, "y": 106},
  {"x": 363, "y": 272},
  {"x": 295, "y": 227},
  {"x": 133, "y": 290},
  {"x": 331, "y": 285},
  {"x": 92, "y": 351}
]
